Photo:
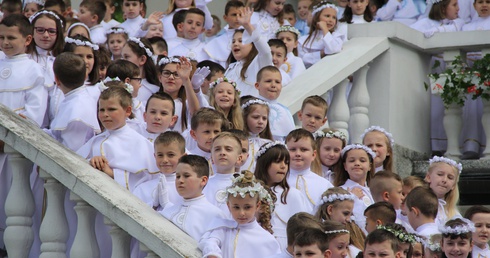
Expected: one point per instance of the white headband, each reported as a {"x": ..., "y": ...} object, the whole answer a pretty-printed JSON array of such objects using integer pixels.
[
  {"x": 433, "y": 2},
  {"x": 39, "y": 2},
  {"x": 82, "y": 43},
  {"x": 358, "y": 147},
  {"x": 322, "y": 6},
  {"x": 45, "y": 12},
  {"x": 262, "y": 150},
  {"x": 167, "y": 60},
  {"x": 381, "y": 130},
  {"x": 330, "y": 134},
  {"x": 116, "y": 30},
  {"x": 254, "y": 101},
  {"x": 337, "y": 197},
  {"x": 467, "y": 227},
  {"x": 102, "y": 86},
  {"x": 288, "y": 28},
  {"x": 450, "y": 162},
  {"x": 141, "y": 45},
  {"x": 77, "y": 24},
  {"x": 224, "y": 79},
  {"x": 256, "y": 189},
  {"x": 337, "y": 231}
]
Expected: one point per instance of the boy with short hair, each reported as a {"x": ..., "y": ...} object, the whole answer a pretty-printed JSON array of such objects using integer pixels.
[
  {"x": 379, "y": 213},
  {"x": 421, "y": 206},
  {"x": 159, "y": 116},
  {"x": 279, "y": 57},
  {"x": 289, "y": 14},
  {"x": 311, "y": 243},
  {"x": 226, "y": 152},
  {"x": 302, "y": 152},
  {"x": 313, "y": 113},
  {"x": 159, "y": 46},
  {"x": 269, "y": 86},
  {"x": 92, "y": 13},
  {"x": 178, "y": 18},
  {"x": 108, "y": 22},
  {"x": 480, "y": 216},
  {"x": 381, "y": 243},
  {"x": 57, "y": 6},
  {"x": 243, "y": 137},
  {"x": 206, "y": 123},
  {"x": 195, "y": 212},
  {"x": 11, "y": 7},
  {"x": 191, "y": 46}
]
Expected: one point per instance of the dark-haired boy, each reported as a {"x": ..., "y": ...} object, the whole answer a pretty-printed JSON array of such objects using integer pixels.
[
  {"x": 480, "y": 216},
  {"x": 421, "y": 206},
  {"x": 92, "y": 13},
  {"x": 279, "y": 53},
  {"x": 192, "y": 27}
]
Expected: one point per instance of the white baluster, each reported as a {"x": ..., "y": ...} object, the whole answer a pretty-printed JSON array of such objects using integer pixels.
[
  {"x": 149, "y": 253},
  {"x": 359, "y": 103},
  {"x": 19, "y": 206},
  {"x": 486, "y": 126},
  {"x": 338, "y": 111},
  {"x": 452, "y": 121},
  {"x": 121, "y": 241},
  {"x": 85, "y": 242},
  {"x": 54, "y": 228}
]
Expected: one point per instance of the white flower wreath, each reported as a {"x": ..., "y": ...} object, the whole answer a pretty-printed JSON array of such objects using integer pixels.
[
  {"x": 167, "y": 60},
  {"x": 45, "y": 12},
  {"x": 337, "y": 197},
  {"x": 323, "y": 5},
  {"x": 337, "y": 231},
  {"x": 263, "y": 149},
  {"x": 460, "y": 229},
  {"x": 141, "y": 45},
  {"x": 450, "y": 162},
  {"x": 256, "y": 189},
  {"x": 39, "y": 2},
  {"x": 381, "y": 130},
  {"x": 252, "y": 102},
  {"x": 330, "y": 134},
  {"x": 288, "y": 28},
  {"x": 82, "y": 43},
  {"x": 116, "y": 30},
  {"x": 102, "y": 86},
  {"x": 358, "y": 147}
]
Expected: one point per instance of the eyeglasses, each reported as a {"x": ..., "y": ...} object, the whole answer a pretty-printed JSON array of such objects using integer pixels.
[
  {"x": 136, "y": 79},
  {"x": 42, "y": 30},
  {"x": 167, "y": 73}
]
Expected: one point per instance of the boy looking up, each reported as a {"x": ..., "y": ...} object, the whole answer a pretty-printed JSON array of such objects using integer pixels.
[
  {"x": 313, "y": 113},
  {"x": 92, "y": 13},
  {"x": 191, "y": 46}
]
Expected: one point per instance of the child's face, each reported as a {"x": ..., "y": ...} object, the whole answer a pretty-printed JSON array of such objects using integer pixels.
[
  {"x": 87, "y": 17},
  {"x": 358, "y": 6},
  {"x": 274, "y": 7},
  {"x": 224, "y": 95},
  {"x": 88, "y": 56},
  {"x": 243, "y": 209},
  {"x": 193, "y": 26},
  {"x": 183, "y": 3},
  {"x": 270, "y": 85},
  {"x": 442, "y": 179},
  {"x": 232, "y": 17},
  {"x": 303, "y": 6},
  {"x": 417, "y": 251},
  {"x": 379, "y": 250},
  {"x": 158, "y": 116},
  {"x": 131, "y": 9},
  {"x": 309, "y": 251},
  {"x": 257, "y": 119},
  {"x": 244, "y": 154},
  {"x": 301, "y": 153},
  {"x": 171, "y": 84},
  {"x": 377, "y": 142},
  {"x": 357, "y": 165},
  {"x": 312, "y": 117},
  {"x": 204, "y": 135},
  {"x": 452, "y": 10},
  {"x": 330, "y": 149},
  {"x": 240, "y": 50},
  {"x": 456, "y": 248},
  {"x": 277, "y": 171},
  {"x": 278, "y": 56},
  {"x": 12, "y": 42},
  {"x": 188, "y": 184},
  {"x": 155, "y": 30},
  {"x": 395, "y": 196},
  {"x": 79, "y": 30},
  {"x": 30, "y": 9},
  {"x": 329, "y": 16},
  {"x": 339, "y": 246},
  {"x": 116, "y": 43},
  {"x": 482, "y": 229},
  {"x": 289, "y": 39},
  {"x": 46, "y": 39},
  {"x": 341, "y": 212},
  {"x": 482, "y": 7},
  {"x": 226, "y": 153},
  {"x": 214, "y": 30},
  {"x": 167, "y": 157},
  {"x": 290, "y": 17},
  {"x": 111, "y": 114}
]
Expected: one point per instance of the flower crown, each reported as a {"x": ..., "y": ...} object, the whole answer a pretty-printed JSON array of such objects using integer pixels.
[
  {"x": 82, "y": 43},
  {"x": 116, "y": 30},
  {"x": 358, "y": 147},
  {"x": 381, "y": 130},
  {"x": 337, "y": 231},
  {"x": 450, "y": 162},
  {"x": 39, "y": 2},
  {"x": 323, "y": 5},
  {"x": 77, "y": 24},
  {"x": 263, "y": 149},
  {"x": 167, "y": 60},
  {"x": 224, "y": 79},
  {"x": 433, "y": 246},
  {"x": 467, "y": 227},
  {"x": 288, "y": 28},
  {"x": 255, "y": 189},
  {"x": 141, "y": 45},
  {"x": 44, "y": 12},
  {"x": 404, "y": 237},
  {"x": 102, "y": 86},
  {"x": 330, "y": 134},
  {"x": 336, "y": 197},
  {"x": 252, "y": 102},
  {"x": 433, "y": 2}
]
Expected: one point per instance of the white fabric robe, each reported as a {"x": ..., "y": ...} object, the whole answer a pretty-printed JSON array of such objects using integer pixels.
[
  {"x": 311, "y": 186},
  {"x": 331, "y": 43}
]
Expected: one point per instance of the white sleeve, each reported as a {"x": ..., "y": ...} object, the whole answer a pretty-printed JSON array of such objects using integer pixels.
[
  {"x": 36, "y": 102},
  {"x": 333, "y": 42},
  {"x": 264, "y": 57},
  {"x": 210, "y": 243},
  {"x": 387, "y": 12},
  {"x": 75, "y": 135},
  {"x": 309, "y": 58}
]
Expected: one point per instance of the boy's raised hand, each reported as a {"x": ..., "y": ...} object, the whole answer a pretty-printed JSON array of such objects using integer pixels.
[
  {"x": 153, "y": 19},
  {"x": 244, "y": 16}
]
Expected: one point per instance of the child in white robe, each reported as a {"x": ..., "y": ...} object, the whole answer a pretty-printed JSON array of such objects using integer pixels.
[
  {"x": 169, "y": 31},
  {"x": 421, "y": 208},
  {"x": 191, "y": 45},
  {"x": 480, "y": 216},
  {"x": 294, "y": 65},
  {"x": 134, "y": 21},
  {"x": 242, "y": 236},
  {"x": 267, "y": 17},
  {"x": 406, "y": 12},
  {"x": 329, "y": 144}
]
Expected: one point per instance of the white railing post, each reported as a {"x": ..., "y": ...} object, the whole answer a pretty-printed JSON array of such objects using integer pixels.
[
  {"x": 121, "y": 241},
  {"x": 452, "y": 116},
  {"x": 54, "y": 227},
  {"x": 359, "y": 105},
  {"x": 19, "y": 206},
  {"x": 149, "y": 253},
  {"x": 338, "y": 112},
  {"x": 486, "y": 127},
  {"x": 85, "y": 242}
]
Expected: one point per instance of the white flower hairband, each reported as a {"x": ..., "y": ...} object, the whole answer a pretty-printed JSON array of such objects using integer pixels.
[
  {"x": 330, "y": 134},
  {"x": 336, "y": 197},
  {"x": 116, "y": 30},
  {"x": 102, "y": 86},
  {"x": 403, "y": 236},
  {"x": 45, "y": 12},
  {"x": 254, "y": 101},
  {"x": 39, "y": 2},
  {"x": 450, "y": 162},
  {"x": 433, "y": 1},
  {"x": 263, "y": 149},
  {"x": 224, "y": 79},
  {"x": 337, "y": 231},
  {"x": 381, "y": 130},
  {"x": 77, "y": 24},
  {"x": 288, "y": 28},
  {"x": 141, "y": 45},
  {"x": 255, "y": 189},
  {"x": 433, "y": 246},
  {"x": 468, "y": 227},
  {"x": 167, "y": 60},
  {"x": 358, "y": 147},
  {"x": 322, "y": 6},
  {"x": 82, "y": 43}
]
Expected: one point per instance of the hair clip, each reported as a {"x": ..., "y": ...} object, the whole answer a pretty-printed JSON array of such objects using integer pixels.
[
  {"x": 288, "y": 28},
  {"x": 357, "y": 147},
  {"x": 381, "y": 130},
  {"x": 330, "y": 134},
  {"x": 336, "y": 197},
  {"x": 116, "y": 30},
  {"x": 81, "y": 43},
  {"x": 323, "y": 5},
  {"x": 141, "y": 45},
  {"x": 337, "y": 231},
  {"x": 254, "y": 101},
  {"x": 450, "y": 162},
  {"x": 264, "y": 148},
  {"x": 167, "y": 60},
  {"x": 31, "y": 19},
  {"x": 224, "y": 79}
]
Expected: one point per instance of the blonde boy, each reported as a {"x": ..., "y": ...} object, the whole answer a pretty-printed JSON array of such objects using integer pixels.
[
  {"x": 226, "y": 153},
  {"x": 159, "y": 115},
  {"x": 191, "y": 46},
  {"x": 480, "y": 216},
  {"x": 301, "y": 146},
  {"x": 313, "y": 113},
  {"x": 421, "y": 206}
]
